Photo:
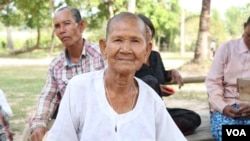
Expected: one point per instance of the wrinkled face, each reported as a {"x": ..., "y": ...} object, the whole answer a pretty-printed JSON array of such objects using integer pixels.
[
  {"x": 66, "y": 28},
  {"x": 246, "y": 36},
  {"x": 126, "y": 47}
]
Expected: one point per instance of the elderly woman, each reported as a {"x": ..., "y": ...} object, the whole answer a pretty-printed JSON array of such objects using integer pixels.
[
  {"x": 109, "y": 105},
  {"x": 231, "y": 61}
]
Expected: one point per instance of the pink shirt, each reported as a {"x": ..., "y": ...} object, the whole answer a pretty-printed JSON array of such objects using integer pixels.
[{"x": 231, "y": 61}]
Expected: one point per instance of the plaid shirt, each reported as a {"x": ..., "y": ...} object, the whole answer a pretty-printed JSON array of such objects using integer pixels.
[{"x": 60, "y": 72}]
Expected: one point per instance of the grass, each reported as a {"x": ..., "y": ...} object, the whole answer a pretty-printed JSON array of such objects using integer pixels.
[{"x": 22, "y": 85}]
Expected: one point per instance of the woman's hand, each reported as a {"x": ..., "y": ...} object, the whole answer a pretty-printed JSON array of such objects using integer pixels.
[
  {"x": 231, "y": 111},
  {"x": 176, "y": 77},
  {"x": 244, "y": 110}
]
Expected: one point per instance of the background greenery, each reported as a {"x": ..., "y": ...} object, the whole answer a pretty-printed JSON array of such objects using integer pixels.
[
  {"x": 22, "y": 85},
  {"x": 30, "y": 25}
]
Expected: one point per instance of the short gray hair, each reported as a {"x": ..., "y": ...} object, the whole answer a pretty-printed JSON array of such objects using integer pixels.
[{"x": 75, "y": 12}]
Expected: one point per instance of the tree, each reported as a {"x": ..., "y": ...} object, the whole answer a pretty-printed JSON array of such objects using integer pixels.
[
  {"x": 37, "y": 14},
  {"x": 218, "y": 32},
  {"x": 10, "y": 17},
  {"x": 201, "y": 49},
  {"x": 165, "y": 19},
  {"x": 3, "y": 3},
  {"x": 234, "y": 19}
]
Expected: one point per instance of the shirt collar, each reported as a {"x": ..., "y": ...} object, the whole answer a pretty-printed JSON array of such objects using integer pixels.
[
  {"x": 243, "y": 48},
  {"x": 67, "y": 60}
]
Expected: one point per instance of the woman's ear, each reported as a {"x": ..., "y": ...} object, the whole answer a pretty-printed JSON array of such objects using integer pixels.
[
  {"x": 148, "y": 50},
  {"x": 102, "y": 45}
]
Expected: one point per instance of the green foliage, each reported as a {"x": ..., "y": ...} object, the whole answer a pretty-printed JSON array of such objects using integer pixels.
[
  {"x": 36, "y": 12},
  {"x": 11, "y": 16},
  {"x": 235, "y": 18},
  {"x": 191, "y": 30},
  {"x": 218, "y": 31},
  {"x": 165, "y": 16},
  {"x": 165, "y": 19},
  {"x": 37, "y": 15}
]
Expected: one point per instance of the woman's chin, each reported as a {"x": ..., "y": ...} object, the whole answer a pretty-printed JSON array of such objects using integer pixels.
[{"x": 127, "y": 70}]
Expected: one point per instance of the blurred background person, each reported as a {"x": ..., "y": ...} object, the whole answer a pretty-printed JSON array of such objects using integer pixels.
[
  {"x": 155, "y": 75},
  {"x": 231, "y": 61},
  {"x": 5, "y": 113}
]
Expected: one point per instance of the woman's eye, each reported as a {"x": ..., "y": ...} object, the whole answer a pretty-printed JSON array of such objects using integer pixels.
[
  {"x": 135, "y": 41},
  {"x": 118, "y": 40}
]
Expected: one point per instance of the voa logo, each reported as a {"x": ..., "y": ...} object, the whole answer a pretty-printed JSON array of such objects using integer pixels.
[{"x": 236, "y": 132}]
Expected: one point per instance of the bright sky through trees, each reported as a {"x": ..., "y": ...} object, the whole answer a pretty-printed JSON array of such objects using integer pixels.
[{"x": 220, "y": 5}]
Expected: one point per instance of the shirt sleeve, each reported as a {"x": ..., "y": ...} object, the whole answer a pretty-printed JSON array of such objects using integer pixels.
[
  {"x": 46, "y": 103},
  {"x": 5, "y": 105},
  {"x": 214, "y": 79}
]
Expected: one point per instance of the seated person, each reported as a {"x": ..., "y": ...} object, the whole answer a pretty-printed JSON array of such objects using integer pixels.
[
  {"x": 77, "y": 57},
  {"x": 5, "y": 114},
  {"x": 109, "y": 105},
  {"x": 155, "y": 75},
  {"x": 231, "y": 61}
]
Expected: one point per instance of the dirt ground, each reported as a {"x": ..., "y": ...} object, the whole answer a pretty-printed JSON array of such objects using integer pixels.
[{"x": 185, "y": 68}]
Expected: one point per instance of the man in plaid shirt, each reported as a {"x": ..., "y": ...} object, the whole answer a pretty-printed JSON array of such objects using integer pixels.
[{"x": 78, "y": 57}]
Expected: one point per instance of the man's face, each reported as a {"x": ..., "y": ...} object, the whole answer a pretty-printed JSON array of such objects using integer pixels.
[
  {"x": 66, "y": 28},
  {"x": 246, "y": 36}
]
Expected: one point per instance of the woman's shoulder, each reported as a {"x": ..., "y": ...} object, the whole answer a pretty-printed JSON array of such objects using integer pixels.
[
  {"x": 155, "y": 56},
  {"x": 155, "y": 53}
]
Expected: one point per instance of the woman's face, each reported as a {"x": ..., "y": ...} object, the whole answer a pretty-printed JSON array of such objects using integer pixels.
[
  {"x": 246, "y": 36},
  {"x": 126, "y": 47}
]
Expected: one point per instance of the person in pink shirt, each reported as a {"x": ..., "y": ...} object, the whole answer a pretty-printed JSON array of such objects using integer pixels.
[{"x": 231, "y": 61}]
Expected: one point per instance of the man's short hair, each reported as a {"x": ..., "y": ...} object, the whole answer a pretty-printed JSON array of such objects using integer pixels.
[{"x": 75, "y": 12}]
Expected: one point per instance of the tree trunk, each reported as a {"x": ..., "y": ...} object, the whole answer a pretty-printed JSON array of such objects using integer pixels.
[
  {"x": 38, "y": 38},
  {"x": 182, "y": 48},
  {"x": 52, "y": 43},
  {"x": 201, "y": 49},
  {"x": 131, "y": 6},
  {"x": 9, "y": 40},
  {"x": 111, "y": 10}
]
